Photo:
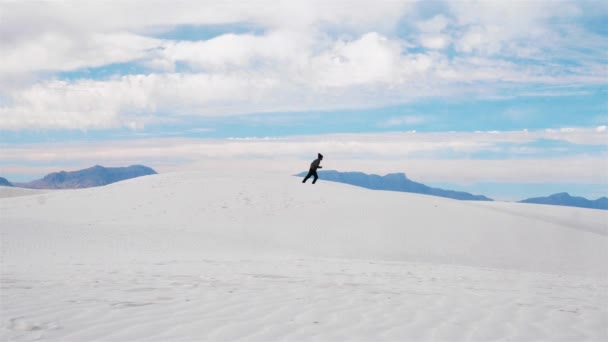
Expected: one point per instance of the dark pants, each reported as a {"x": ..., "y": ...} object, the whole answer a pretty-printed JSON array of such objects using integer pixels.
[{"x": 312, "y": 173}]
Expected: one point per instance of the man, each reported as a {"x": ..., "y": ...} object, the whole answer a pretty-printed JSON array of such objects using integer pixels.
[{"x": 313, "y": 169}]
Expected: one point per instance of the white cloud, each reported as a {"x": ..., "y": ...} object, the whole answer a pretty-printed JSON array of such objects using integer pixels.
[
  {"x": 245, "y": 51},
  {"x": 27, "y": 19},
  {"x": 373, "y": 153},
  {"x": 369, "y": 60},
  {"x": 102, "y": 104},
  {"x": 492, "y": 27},
  {"x": 543, "y": 31},
  {"x": 365, "y": 73},
  {"x": 58, "y": 52},
  {"x": 585, "y": 136},
  {"x": 67, "y": 35},
  {"x": 432, "y": 33},
  {"x": 437, "y": 24},
  {"x": 310, "y": 55},
  {"x": 435, "y": 41},
  {"x": 384, "y": 146},
  {"x": 406, "y": 120},
  {"x": 480, "y": 39},
  {"x": 581, "y": 170},
  {"x": 237, "y": 74}
]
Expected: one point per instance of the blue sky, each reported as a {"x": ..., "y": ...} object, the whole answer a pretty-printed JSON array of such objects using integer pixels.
[{"x": 479, "y": 82}]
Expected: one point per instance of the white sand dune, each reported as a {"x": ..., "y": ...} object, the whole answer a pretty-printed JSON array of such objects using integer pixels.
[
  {"x": 9, "y": 191},
  {"x": 198, "y": 256}
]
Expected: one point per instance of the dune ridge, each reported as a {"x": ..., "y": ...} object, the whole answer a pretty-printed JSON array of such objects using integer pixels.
[{"x": 197, "y": 256}]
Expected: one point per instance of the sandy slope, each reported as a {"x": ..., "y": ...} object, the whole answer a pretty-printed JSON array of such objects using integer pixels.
[
  {"x": 9, "y": 191},
  {"x": 198, "y": 256}
]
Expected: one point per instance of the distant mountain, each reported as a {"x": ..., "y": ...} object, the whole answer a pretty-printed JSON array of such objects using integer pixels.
[
  {"x": 91, "y": 177},
  {"x": 393, "y": 182},
  {"x": 571, "y": 201},
  {"x": 5, "y": 182}
]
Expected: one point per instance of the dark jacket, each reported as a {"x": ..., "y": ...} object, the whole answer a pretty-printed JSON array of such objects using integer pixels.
[{"x": 315, "y": 164}]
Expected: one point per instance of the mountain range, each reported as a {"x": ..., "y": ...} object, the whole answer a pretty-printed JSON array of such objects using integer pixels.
[
  {"x": 400, "y": 182},
  {"x": 5, "y": 182},
  {"x": 91, "y": 177},
  {"x": 564, "y": 198},
  {"x": 99, "y": 176},
  {"x": 394, "y": 182}
]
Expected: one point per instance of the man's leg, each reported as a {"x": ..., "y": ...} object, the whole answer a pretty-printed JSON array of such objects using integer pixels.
[
  {"x": 307, "y": 176},
  {"x": 316, "y": 177}
]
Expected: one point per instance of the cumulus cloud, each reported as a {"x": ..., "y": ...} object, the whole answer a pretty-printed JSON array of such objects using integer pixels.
[
  {"x": 23, "y": 20},
  {"x": 434, "y": 41},
  {"x": 437, "y": 24},
  {"x": 243, "y": 74},
  {"x": 56, "y": 52},
  {"x": 244, "y": 51},
  {"x": 433, "y": 33},
  {"x": 67, "y": 35},
  {"x": 310, "y": 55},
  {"x": 369, "y": 60},
  {"x": 99, "y": 104}
]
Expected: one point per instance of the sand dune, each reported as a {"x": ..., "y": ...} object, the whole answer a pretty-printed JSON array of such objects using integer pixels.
[
  {"x": 199, "y": 256},
  {"x": 9, "y": 191}
]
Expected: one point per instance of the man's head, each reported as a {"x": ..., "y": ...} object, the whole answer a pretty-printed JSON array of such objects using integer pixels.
[{"x": 320, "y": 155}]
